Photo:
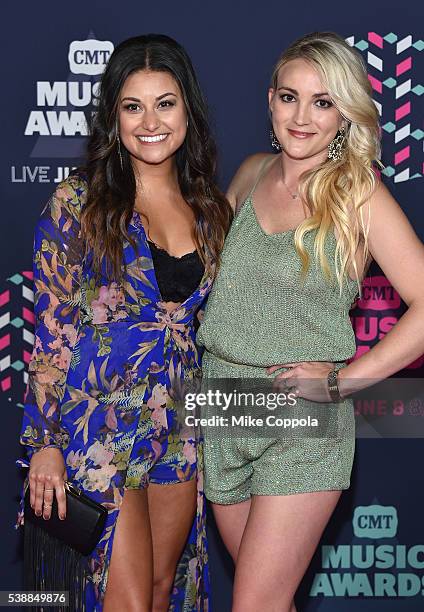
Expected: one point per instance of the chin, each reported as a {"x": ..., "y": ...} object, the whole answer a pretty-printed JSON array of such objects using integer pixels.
[
  {"x": 154, "y": 161},
  {"x": 151, "y": 157},
  {"x": 298, "y": 154},
  {"x": 304, "y": 154}
]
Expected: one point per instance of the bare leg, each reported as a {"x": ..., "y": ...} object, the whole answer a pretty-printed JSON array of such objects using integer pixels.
[
  {"x": 281, "y": 535},
  {"x": 130, "y": 578},
  {"x": 172, "y": 508},
  {"x": 231, "y": 521}
]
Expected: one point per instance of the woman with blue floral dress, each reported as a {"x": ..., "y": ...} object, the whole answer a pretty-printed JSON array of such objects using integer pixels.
[{"x": 124, "y": 258}]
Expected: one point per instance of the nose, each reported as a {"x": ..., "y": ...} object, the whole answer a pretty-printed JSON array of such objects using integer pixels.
[
  {"x": 302, "y": 115},
  {"x": 150, "y": 121}
]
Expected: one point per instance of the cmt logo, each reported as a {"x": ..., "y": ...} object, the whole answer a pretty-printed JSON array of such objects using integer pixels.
[
  {"x": 378, "y": 294},
  {"x": 89, "y": 56},
  {"x": 375, "y": 522}
]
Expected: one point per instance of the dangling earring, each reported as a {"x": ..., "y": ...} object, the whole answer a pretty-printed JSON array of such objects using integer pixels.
[
  {"x": 274, "y": 142},
  {"x": 337, "y": 145},
  {"x": 119, "y": 152}
]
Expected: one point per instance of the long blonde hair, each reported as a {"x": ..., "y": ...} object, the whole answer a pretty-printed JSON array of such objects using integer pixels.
[{"x": 335, "y": 191}]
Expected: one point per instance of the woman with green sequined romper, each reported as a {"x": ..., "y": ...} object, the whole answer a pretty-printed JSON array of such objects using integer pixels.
[{"x": 307, "y": 223}]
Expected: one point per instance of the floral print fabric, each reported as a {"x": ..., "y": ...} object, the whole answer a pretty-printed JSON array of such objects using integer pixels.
[{"x": 108, "y": 366}]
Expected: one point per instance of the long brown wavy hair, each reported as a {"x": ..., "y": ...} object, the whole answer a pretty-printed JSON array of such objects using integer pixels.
[{"x": 112, "y": 189}]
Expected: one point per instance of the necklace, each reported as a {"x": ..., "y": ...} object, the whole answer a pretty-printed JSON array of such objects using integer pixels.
[{"x": 295, "y": 195}]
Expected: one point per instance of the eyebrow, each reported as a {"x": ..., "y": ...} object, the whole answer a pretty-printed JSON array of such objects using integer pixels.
[
  {"x": 317, "y": 95},
  {"x": 168, "y": 93}
]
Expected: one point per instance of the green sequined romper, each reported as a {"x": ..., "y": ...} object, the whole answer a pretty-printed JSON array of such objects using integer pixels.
[{"x": 259, "y": 313}]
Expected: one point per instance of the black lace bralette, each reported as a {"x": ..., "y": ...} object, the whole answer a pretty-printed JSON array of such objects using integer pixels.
[{"x": 177, "y": 277}]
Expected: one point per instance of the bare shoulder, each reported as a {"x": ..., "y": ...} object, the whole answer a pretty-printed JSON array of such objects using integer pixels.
[
  {"x": 382, "y": 207},
  {"x": 378, "y": 204},
  {"x": 245, "y": 177},
  {"x": 381, "y": 196}
]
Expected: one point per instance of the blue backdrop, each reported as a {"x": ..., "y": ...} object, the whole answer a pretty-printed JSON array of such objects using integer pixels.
[{"x": 372, "y": 555}]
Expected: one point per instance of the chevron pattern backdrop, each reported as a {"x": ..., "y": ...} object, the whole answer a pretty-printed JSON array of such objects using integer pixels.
[
  {"x": 16, "y": 334},
  {"x": 394, "y": 66}
]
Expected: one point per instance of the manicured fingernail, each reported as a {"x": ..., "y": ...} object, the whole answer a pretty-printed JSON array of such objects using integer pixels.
[
  {"x": 38, "y": 513},
  {"x": 46, "y": 518},
  {"x": 62, "y": 517}
]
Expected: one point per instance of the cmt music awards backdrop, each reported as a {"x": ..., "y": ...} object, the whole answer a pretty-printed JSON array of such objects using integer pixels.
[{"x": 371, "y": 557}]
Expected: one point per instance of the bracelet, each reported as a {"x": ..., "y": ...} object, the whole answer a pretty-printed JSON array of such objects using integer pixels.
[
  {"x": 47, "y": 446},
  {"x": 333, "y": 386}
]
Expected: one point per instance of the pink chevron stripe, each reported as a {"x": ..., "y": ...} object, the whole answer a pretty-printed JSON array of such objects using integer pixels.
[
  {"x": 6, "y": 383},
  {"x": 376, "y": 39},
  {"x": 4, "y": 342},
  {"x": 28, "y": 315},
  {"x": 4, "y": 297},
  {"x": 27, "y": 356},
  {"x": 404, "y": 66},
  {"x": 375, "y": 83},
  {"x": 402, "y": 111},
  {"x": 28, "y": 274},
  {"x": 401, "y": 155}
]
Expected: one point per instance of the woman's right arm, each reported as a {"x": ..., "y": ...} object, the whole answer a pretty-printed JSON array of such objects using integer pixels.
[{"x": 57, "y": 268}]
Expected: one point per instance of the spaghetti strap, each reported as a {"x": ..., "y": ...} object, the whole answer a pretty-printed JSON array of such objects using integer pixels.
[{"x": 262, "y": 168}]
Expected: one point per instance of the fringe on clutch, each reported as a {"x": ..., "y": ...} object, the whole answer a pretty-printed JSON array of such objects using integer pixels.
[{"x": 51, "y": 565}]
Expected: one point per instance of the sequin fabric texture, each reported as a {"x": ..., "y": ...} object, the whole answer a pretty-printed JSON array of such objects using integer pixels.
[
  {"x": 260, "y": 313},
  {"x": 107, "y": 365}
]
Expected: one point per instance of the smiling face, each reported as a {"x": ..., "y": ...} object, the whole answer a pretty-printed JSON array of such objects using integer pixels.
[
  {"x": 152, "y": 117},
  {"x": 304, "y": 118}
]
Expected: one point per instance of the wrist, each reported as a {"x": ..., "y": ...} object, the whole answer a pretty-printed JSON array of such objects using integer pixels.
[
  {"x": 333, "y": 386},
  {"x": 48, "y": 446}
]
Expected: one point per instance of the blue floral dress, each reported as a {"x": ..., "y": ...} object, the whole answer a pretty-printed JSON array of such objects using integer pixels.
[{"x": 107, "y": 365}]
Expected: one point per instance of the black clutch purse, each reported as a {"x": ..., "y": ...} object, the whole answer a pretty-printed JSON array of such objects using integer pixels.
[
  {"x": 55, "y": 551},
  {"x": 83, "y": 525}
]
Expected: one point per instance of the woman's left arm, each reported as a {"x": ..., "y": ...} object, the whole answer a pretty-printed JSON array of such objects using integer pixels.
[{"x": 400, "y": 254}]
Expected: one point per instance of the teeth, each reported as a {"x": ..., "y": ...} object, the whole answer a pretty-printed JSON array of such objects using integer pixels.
[{"x": 157, "y": 138}]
